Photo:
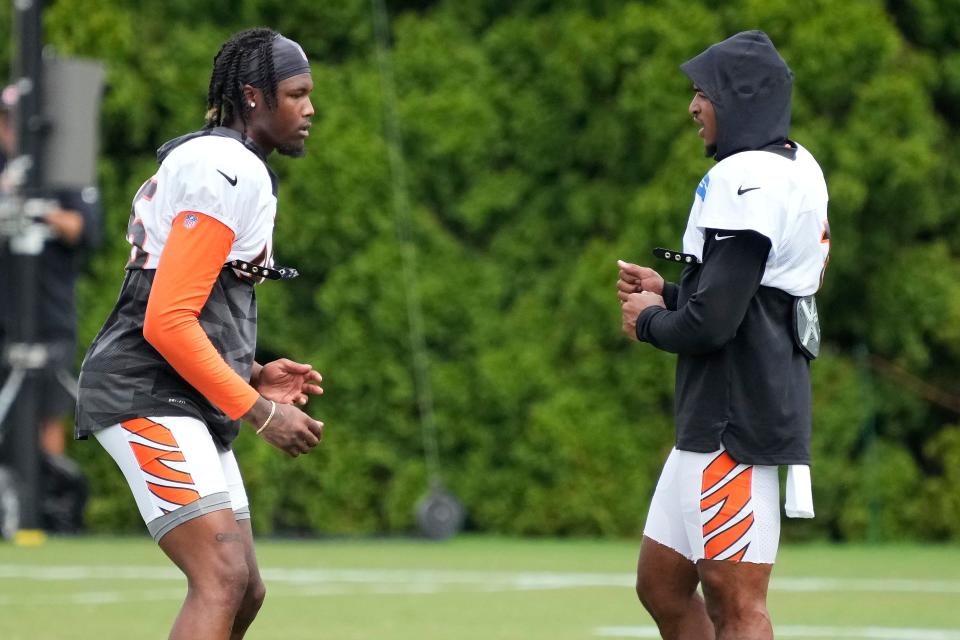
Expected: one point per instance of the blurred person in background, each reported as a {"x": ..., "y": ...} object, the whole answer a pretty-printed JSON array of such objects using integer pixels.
[
  {"x": 73, "y": 231},
  {"x": 170, "y": 376},
  {"x": 743, "y": 322}
]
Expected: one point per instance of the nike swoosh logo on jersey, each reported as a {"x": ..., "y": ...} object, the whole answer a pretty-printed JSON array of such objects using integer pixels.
[
  {"x": 720, "y": 237},
  {"x": 232, "y": 181},
  {"x": 742, "y": 191}
]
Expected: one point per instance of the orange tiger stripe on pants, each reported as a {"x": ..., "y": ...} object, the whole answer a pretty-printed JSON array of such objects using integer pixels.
[
  {"x": 153, "y": 461},
  {"x": 733, "y": 495}
]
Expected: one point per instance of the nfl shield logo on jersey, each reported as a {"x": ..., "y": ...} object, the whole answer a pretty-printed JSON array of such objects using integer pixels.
[{"x": 190, "y": 221}]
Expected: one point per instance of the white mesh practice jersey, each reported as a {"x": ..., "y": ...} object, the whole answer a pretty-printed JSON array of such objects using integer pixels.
[
  {"x": 213, "y": 175},
  {"x": 782, "y": 199},
  {"x": 218, "y": 174}
]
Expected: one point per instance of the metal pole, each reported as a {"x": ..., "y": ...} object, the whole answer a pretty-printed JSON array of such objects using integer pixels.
[
  {"x": 870, "y": 462},
  {"x": 23, "y": 423},
  {"x": 27, "y": 73},
  {"x": 438, "y": 512}
]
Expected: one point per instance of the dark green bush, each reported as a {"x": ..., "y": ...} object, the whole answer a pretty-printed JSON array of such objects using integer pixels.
[{"x": 542, "y": 142}]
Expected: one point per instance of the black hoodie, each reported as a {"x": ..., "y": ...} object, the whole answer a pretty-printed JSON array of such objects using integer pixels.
[
  {"x": 750, "y": 87},
  {"x": 740, "y": 383}
]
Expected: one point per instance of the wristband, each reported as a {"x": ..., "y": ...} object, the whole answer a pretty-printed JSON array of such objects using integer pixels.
[{"x": 266, "y": 423}]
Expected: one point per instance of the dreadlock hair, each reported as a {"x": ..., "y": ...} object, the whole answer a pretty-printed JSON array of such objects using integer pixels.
[{"x": 225, "y": 99}]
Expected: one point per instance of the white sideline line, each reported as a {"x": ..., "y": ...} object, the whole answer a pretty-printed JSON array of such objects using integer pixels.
[
  {"x": 436, "y": 579},
  {"x": 865, "y": 584},
  {"x": 786, "y": 631},
  {"x": 127, "y": 596}
]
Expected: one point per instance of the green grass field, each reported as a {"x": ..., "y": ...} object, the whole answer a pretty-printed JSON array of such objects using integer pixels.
[{"x": 469, "y": 588}]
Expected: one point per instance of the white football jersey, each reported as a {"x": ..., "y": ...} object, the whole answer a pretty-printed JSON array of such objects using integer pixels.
[
  {"x": 213, "y": 175},
  {"x": 782, "y": 199}
]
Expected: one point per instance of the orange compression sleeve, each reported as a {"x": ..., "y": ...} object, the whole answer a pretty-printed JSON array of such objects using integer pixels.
[{"x": 189, "y": 265}]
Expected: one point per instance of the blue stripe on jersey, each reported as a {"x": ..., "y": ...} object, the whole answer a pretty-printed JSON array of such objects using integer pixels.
[{"x": 702, "y": 187}]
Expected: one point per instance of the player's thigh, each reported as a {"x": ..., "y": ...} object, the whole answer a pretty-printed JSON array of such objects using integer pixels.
[
  {"x": 738, "y": 528},
  {"x": 663, "y": 574},
  {"x": 734, "y": 586},
  {"x": 250, "y": 556},
  {"x": 665, "y": 571},
  {"x": 173, "y": 468},
  {"x": 210, "y": 549},
  {"x": 241, "y": 511}
]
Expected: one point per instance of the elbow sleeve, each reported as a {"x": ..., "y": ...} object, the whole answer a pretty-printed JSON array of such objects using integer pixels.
[{"x": 189, "y": 266}]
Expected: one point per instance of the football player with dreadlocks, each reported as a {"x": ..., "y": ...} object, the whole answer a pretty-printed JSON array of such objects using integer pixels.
[{"x": 171, "y": 374}]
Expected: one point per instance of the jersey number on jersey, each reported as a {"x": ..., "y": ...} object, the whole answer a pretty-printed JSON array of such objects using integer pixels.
[{"x": 136, "y": 233}]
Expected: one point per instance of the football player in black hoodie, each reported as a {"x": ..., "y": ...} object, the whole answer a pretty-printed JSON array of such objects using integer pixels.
[{"x": 743, "y": 323}]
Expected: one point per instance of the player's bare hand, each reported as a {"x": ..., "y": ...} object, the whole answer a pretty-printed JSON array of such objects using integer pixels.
[
  {"x": 66, "y": 224},
  {"x": 633, "y": 279},
  {"x": 288, "y": 382},
  {"x": 289, "y": 429},
  {"x": 293, "y": 431},
  {"x": 633, "y": 306}
]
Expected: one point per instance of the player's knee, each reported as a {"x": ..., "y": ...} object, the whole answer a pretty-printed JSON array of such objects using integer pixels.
[
  {"x": 224, "y": 582},
  {"x": 748, "y": 614},
  {"x": 737, "y": 614},
  {"x": 233, "y": 581},
  {"x": 643, "y": 589},
  {"x": 252, "y": 601},
  {"x": 746, "y": 623},
  {"x": 255, "y": 595},
  {"x": 652, "y": 595}
]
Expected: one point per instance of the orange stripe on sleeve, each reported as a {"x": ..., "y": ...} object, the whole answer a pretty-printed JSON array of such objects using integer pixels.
[{"x": 189, "y": 265}]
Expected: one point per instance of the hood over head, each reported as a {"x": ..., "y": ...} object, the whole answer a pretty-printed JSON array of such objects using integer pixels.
[{"x": 750, "y": 87}]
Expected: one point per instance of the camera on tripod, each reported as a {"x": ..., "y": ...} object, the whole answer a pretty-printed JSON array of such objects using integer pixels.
[{"x": 57, "y": 115}]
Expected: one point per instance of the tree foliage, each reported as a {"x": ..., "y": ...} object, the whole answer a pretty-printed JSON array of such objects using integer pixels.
[{"x": 543, "y": 141}]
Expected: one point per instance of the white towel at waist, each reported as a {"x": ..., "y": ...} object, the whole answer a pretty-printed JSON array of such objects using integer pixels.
[{"x": 799, "y": 500}]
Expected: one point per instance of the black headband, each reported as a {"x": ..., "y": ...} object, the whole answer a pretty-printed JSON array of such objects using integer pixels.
[{"x": 288, "y": 60}]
